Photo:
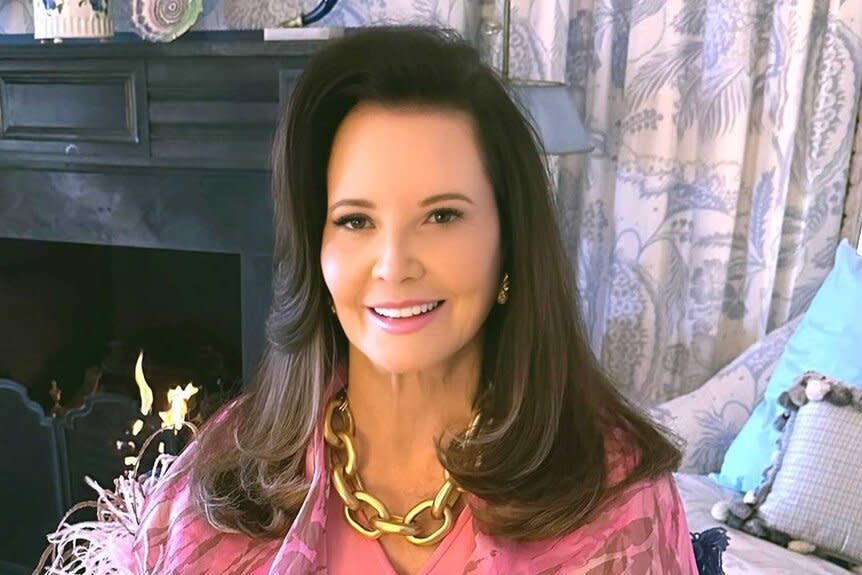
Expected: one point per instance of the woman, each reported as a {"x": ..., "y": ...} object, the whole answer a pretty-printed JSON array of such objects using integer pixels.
[{"x": 427, "y": 403}]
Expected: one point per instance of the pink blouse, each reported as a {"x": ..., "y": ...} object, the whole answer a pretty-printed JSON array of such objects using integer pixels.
[{"x": 643, "y": 533}]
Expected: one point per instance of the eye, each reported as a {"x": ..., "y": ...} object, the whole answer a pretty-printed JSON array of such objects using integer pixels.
[
  {"x": 445, "y": 215},
  {"x": 352, "y": 222}
]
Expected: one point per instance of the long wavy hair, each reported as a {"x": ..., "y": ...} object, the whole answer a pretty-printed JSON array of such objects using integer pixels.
[{"x": 550, "y": 409}]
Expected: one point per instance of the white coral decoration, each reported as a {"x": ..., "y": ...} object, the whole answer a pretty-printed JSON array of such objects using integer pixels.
[
  {"x": 816, "y": 389},
  {"x": 103, "y": 547}
]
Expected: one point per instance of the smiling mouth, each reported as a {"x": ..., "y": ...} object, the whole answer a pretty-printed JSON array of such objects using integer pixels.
[{"x": 407, "y": 313}]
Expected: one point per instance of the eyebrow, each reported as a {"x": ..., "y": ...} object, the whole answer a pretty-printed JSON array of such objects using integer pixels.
[{"x": 426, "y": 202}]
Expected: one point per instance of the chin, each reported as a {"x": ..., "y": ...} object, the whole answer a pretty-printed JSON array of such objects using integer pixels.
[{"x": 407, "y": 362}]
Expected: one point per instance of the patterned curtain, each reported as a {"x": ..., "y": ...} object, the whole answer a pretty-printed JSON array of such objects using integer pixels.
[
  {"x": 853, "y": 202},
  {"x": 709, "y": 211}
]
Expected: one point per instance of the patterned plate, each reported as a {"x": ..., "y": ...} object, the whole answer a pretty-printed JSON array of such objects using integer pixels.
[{"x": 164, "y": 20}]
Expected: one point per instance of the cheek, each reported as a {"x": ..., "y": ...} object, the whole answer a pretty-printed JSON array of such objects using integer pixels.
[
  {"x": 333, "y": 266},
  {"x": 345, "y": 268},
  {"x": 474, "y": 270}
]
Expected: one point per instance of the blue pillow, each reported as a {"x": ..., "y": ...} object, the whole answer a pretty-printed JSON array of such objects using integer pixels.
[{"x": 827, "y": 340}]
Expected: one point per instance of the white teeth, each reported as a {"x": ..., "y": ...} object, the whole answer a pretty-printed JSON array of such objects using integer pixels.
[{"x": 406, "y": 311}]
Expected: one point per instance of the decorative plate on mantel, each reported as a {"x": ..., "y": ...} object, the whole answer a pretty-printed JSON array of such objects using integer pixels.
[{"x": 164, "y": 20}]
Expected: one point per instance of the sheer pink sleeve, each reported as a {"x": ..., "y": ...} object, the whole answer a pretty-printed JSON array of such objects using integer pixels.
[
  {"x": 644, "y": 532},
  {"x": 175, "y": 537}
]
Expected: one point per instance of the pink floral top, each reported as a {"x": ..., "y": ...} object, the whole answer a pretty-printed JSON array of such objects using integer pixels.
[{"x": 644, "y": 533}]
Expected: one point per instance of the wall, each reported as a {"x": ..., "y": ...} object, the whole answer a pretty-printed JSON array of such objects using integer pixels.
[{"x": 16, "y": 16}]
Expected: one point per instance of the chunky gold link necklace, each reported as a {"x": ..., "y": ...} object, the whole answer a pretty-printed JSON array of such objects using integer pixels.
[{"x": 338, "y": 430}]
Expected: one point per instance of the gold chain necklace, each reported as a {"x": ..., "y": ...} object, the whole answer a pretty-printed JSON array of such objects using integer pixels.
[{"x": 341, "y": 458}]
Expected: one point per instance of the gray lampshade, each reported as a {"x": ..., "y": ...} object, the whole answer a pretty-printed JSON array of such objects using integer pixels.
[
  {"x": 553, "y": 111},
  {"x": 551, "y": 107}
]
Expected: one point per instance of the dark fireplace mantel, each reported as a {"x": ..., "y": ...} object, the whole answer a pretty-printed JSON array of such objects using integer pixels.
[{"x": 129, "y": 143}]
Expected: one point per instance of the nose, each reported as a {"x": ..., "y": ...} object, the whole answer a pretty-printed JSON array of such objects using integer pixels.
[{"x": 397, "y": 259}]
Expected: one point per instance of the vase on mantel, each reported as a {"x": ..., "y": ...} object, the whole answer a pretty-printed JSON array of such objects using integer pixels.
[{"x": 59, "y": 19}]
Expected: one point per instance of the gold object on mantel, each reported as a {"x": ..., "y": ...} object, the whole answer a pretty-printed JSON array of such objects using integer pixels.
[
  {"x": 295, "y": 22},
  {"x": 348, "y": 485}
]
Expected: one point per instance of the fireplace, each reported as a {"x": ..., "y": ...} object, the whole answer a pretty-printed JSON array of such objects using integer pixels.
[
  {"x": 224, "y": 217},
  {"x": 81, "y": 312},
  {"x": 134, "y": 216}
]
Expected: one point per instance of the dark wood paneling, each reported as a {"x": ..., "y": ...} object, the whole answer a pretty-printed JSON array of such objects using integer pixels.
[
  {"x": 213, "y": 79},
  {"x": 74, "y": 109},
  {"x": 234, "y": 115},
  {"x": 213, "y": 112},
  {"x": 206, "y": 100},
  {"x": 287, "y": 78}
]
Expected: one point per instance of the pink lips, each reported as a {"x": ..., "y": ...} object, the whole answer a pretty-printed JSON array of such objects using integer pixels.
[{"x": 404, "y": 325}]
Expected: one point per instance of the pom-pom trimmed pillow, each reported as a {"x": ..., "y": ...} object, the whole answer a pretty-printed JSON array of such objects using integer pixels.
[
  {"x": 827, "y": 340},
  {"x": 811, "y": 496}
]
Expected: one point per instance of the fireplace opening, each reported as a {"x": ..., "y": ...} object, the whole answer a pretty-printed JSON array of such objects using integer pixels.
[
  {"x": 76, "y": 320},
  {"x": 76, "y": 316}
]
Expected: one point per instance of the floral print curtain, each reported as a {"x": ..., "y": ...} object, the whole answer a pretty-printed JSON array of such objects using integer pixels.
[{"x": 709, "y": 211}]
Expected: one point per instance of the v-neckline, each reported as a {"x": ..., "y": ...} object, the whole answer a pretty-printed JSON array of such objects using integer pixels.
[
  {"x": 377, "y": 551},
  {"x": 438, "y": 553}
]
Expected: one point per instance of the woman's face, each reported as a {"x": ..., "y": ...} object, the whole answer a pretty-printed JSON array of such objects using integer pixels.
[{"x": 411, "y": 221}]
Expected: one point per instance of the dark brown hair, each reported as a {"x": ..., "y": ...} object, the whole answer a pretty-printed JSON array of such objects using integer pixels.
[{"x": 550, "y": 410}]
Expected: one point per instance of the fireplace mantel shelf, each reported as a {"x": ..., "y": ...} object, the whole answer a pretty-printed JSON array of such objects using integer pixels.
[{"x": 129, "y": 45}]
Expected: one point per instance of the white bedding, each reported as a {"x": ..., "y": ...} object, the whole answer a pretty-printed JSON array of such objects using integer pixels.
[{"x": 746, "y": 555}]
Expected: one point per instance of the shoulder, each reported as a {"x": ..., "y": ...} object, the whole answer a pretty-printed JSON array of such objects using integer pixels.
[
  {"x": 167, "y": 515},
  {"x": 640, "y": 529},
  {"x": 643, "y": 527},
  {"x": 646, "y": 518},
  {"x": 641, "y": 532},
  {"x": 169, "y": 495},
  {"x": 175, "y": 537},
  {"x": 171, "y": 526}
]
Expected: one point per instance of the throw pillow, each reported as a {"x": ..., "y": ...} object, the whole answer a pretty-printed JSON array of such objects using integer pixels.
[
  {"x": 810, "y": 498},
  {"x": 825, "y": 341}
]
